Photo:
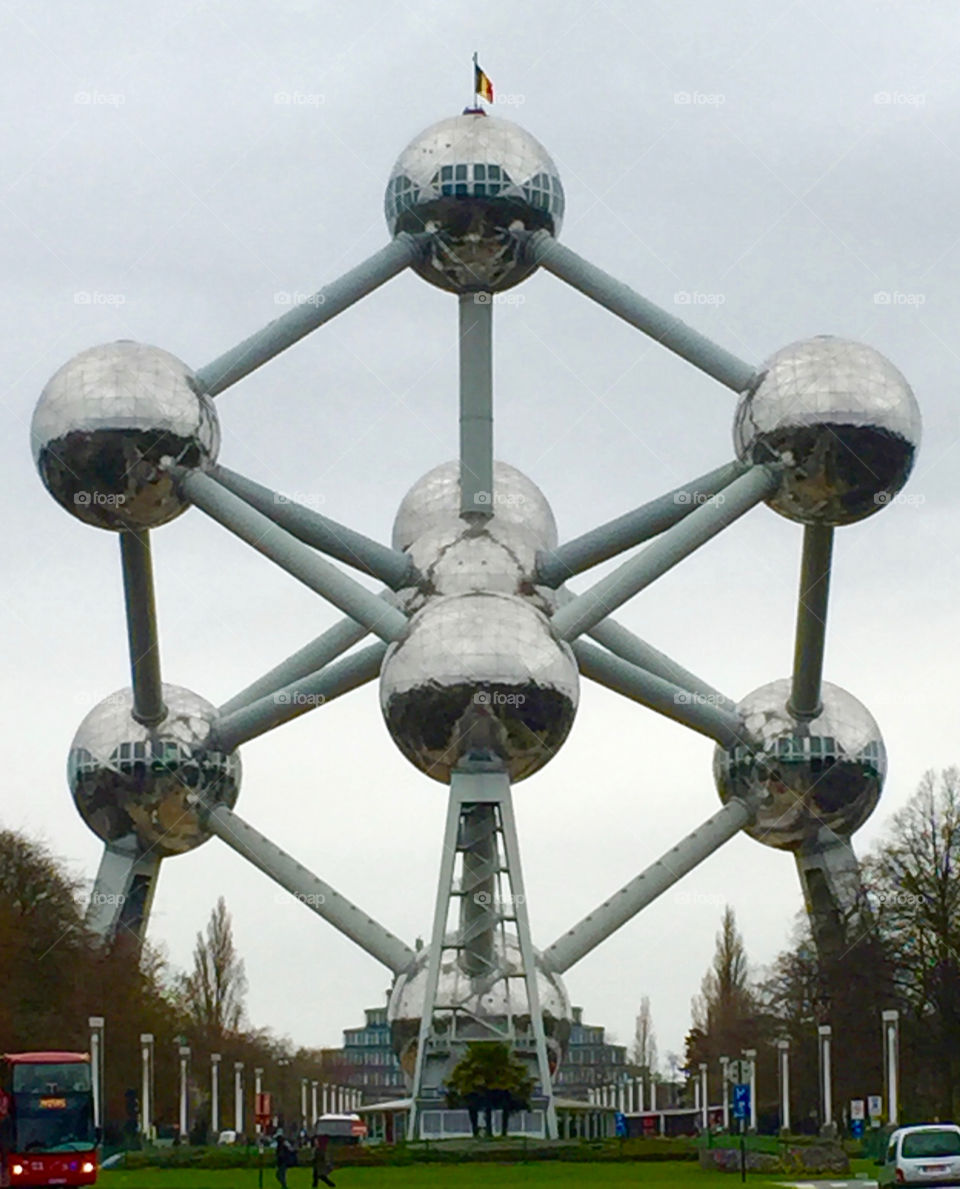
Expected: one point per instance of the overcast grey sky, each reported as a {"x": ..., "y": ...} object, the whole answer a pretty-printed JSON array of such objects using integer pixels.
[{"x": 156, "y": 186}]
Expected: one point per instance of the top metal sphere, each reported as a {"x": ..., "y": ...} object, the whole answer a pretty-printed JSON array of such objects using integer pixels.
[
  {"x": 130, "y": 779},
  {"x": 843, "y": 420},
  {"x": 474, "y": 180},
  {"x": 827, "y": 772},
  {"x": 104, "y": 422}
]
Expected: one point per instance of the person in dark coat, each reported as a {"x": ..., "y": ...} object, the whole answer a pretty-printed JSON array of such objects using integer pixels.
[
  {"x": 286, "y": 1158},
  {"x": 321, "y": 1161}
]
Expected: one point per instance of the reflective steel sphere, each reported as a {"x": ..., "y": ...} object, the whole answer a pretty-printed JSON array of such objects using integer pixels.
[
  {"x": 497, "y": 1004},
  {"x": 827, "y": 772},
  {"x": 104, "y": 422},
  {"x": 127, "y": 778},
  {"x": 474, "y": 180},
  {"x": 453, "y": 556},
  {"x": 479, "y": 675},
  {"x": 844, "y": 421}
]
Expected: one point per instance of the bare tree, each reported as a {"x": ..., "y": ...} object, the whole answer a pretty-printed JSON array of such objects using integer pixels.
[
  {"x": 215, "y": 989},
  {"x": 645, "y": 1039}
]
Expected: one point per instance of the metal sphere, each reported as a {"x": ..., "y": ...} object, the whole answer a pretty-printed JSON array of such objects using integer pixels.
[
  {"x": 434, "y": 502},
  {"x": 843, "y": 420},
  {"x": 455, "y": 556},
  {"x": 479, "y": 674},
  {"x": 104, "y": 422},
  {"x": 824, "y": 773},
  {"x": 504, "y": 1000},
  {"x": 474, "y": 181},
  {"x": 130, "y": 779}
]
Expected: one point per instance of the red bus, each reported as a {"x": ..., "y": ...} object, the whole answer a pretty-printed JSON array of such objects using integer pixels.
[{"x": 47, "y": 1136}]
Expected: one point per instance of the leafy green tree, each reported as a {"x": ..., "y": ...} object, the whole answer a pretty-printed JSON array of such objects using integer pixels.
[{"x": 488, "y": 1078}]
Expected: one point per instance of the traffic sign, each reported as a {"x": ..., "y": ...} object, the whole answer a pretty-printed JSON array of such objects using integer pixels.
[
  {"x": 741, "y": 1100},
  {"x": 857, "y": 1108},
  {"x": 874, "y": 1106}
]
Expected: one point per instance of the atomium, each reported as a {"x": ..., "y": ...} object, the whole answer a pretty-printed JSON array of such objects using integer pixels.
[
  {"x": 148, "y": 782},
  {"x": 501, "y": 1003},
  {"x": 102, "y": 426},
  {"x": 479, "y": 674},
  {"x": 843, "y": 420},
  {"x": 822, "y": 773},
  {"x": 474, "y": 182}
]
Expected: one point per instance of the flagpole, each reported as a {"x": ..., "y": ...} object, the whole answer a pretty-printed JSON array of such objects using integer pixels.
[{"x": 476, "y": 93}]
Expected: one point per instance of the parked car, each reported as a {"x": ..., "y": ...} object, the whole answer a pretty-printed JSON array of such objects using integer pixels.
[{"x": 922, "y": 1155}]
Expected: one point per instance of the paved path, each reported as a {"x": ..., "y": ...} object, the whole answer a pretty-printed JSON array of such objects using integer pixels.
[{"x": 858, "y": 1184}]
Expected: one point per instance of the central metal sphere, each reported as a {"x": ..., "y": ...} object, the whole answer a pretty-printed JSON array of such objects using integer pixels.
[
  {"x": 130, "y": 780},
  {"x": 474, "y": 181},
  {"x": 481, "y": 675},
  {"x": 827, "y": 772},
  {"x": 504, "y": 1001}
]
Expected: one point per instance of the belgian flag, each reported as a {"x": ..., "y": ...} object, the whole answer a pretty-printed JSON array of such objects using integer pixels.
[{"x": 482, "y": 85}]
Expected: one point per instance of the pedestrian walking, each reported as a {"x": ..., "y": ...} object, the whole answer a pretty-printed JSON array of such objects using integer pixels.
[{"x": 321, "y": 1161}]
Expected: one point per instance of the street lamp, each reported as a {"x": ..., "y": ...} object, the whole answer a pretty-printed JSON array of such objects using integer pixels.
[
  {"x": 282, "y": 1064},
  {"x": 751, "y": 1056}
]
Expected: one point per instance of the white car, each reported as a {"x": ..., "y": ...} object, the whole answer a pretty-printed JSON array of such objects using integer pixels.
[
  {"x": 227, "y": 1137},
  {"x": 927, "y": 1155}
]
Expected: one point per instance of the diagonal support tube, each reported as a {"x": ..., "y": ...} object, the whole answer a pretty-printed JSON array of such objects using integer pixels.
[
  {"x": 633, "y": 528},
  {"x": 595, "y": 604},
  {"x": 136, "y": 560},
  {"x": 627, "y": 304},
  {"x": 313, "y": 656},
  {"x": 689, "y": 709},
  {"x": 288, "y": 329},
  {"x": 283, "y": 705},
  {"x": 318, "y": 895},
  {"x": 297, "y": 559},
  {"x": 354, "y": 549},
  {"x": 476, "y": 405},
  {"x": 811, "y": 621},
  {"x": 577, "y": 942},
  {"x": 629, "y": 647}
]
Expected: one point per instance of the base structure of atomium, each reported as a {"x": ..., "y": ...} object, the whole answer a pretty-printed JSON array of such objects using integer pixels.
[{"x": 480, "y": 645}]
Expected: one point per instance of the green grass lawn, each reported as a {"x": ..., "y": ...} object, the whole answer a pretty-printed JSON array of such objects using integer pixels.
[{"x": 611, "y": 1176}]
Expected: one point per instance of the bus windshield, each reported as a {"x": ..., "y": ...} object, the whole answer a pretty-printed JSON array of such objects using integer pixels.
[
  {"x": 54, "y": 1123},
  {"x": 44, "y": 1078}
]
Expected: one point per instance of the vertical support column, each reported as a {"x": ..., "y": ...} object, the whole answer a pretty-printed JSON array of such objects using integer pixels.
[
  {"x": 640, "y": 1095},
  {"x": 653, "y": 1093},
  {"x": 257, "y": 1091},
  {"x": 805, "y": 700},
  {"x": 751, "y": 1056},
  {"x": 215, "y": 1095},
  {"x": 324, "y": 1098},
  {"x": 891, "y": 1065},
  {"x": 704, "y": 1098},
  {"x": 146, "y": 1086},
  {"x": 238, "y": 1097},
  {"x": 303, "y": 1102},
  {"x": 314, "y": 1115},
  {"x": 824, "y": 1033},
  {"x": 97, "y": 1028},
  {"x": 783, "y": 1050},
  {"x": 725, "y": 1080},
  {"x": 135, "y": 557},
  {"x": 512, "y": 849},
  {"x": 476, "y": 405},
  {"x": 184, "y": 1112}
]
